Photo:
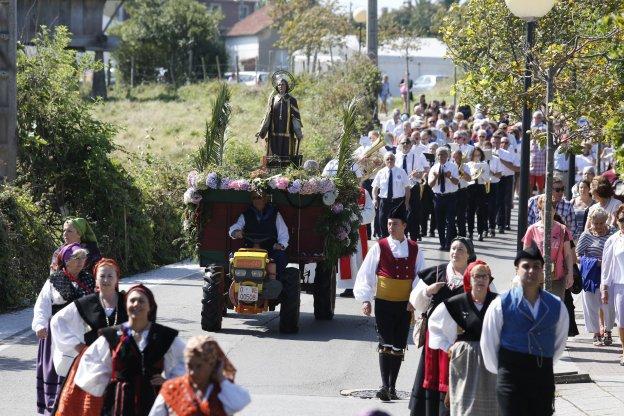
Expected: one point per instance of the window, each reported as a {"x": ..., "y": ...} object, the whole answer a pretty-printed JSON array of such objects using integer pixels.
[{"x": 243, "y": 11}]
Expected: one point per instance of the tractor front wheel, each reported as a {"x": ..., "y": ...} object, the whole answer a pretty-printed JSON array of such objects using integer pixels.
[
  {"x": 324, "y": 292},
  {"x": 290, "y": 300},
  {"x": 213, "y": 300}
]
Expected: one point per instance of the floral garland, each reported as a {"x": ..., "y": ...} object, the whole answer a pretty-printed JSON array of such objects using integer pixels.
[{"x": 339, "y": 221}]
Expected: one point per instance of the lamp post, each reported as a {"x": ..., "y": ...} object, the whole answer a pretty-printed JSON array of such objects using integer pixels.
[
  {"x": 359, "y": 16},
  {"x": 529, "y": 11}
]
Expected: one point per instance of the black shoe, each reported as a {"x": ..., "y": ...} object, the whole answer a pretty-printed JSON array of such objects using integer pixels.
[
  {"x": 383, "y": 394},
  {"x": 480, "y": 236},
  {"x": 508, "y": 227},
  {"x": 492, "y": 233},
  {"x": 501, "y": 231},
  {"x": 393, "y": 394},
  {"x": 419, "y": 238},
  {"x": 348, "y": 293},
  {"x": 431, "y": 234}
]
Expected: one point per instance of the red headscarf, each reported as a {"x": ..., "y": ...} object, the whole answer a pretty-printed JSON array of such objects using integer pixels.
[
  {"x": 110, "y": 263},
  {"x": 467, "y": 286},
  {"x": 150, "y": 298}
]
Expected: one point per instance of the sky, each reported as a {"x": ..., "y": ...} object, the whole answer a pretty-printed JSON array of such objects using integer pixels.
[{"x": 390, "y": 4}]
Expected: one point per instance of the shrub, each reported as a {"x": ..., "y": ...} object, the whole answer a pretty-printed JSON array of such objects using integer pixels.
[{"x": 26, "y": 247}]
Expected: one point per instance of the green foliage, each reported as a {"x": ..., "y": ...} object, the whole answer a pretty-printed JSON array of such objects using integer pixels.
[
  {"x": 172, "y": 34},
  {"x": 26, "y": 247},
  {"x": 214, "y": 139},
  {"x": 422, "y": 19},
  {"x": 64, "y": 154}
]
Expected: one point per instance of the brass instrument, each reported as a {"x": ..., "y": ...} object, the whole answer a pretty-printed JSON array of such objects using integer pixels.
[
  {"x": 477, "y": 174},
  {"x": 370, "y": 162}
]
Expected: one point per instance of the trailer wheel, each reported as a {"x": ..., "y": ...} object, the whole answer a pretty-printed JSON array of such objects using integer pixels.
[
  {"x": 213, "y": 301},
  {"x": 324, "y": 292},
  {"x": 290, "y": 301}
]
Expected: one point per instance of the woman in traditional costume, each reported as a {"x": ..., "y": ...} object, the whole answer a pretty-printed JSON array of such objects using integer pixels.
[
  {"x": 125, "y": 364},
  {"x": 77, "y": 326},
  {"x": 70, "y": 282},
  {"x": 455, "y": 327},
  {"x": 437, "y": 284},
  {"x": 78, "y": 230},
  {"x": 207, "y": 389}
]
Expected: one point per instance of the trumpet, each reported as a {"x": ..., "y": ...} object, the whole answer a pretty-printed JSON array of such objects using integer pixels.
[{"x": 476, "y": 174}]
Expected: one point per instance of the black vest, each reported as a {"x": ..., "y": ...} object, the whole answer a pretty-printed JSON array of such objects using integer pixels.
[
  {"x": 130, "y": 389},
  {"x": 463, "y": 310},
  {"x": 265, "y": 226},
  {"x": 435, "y": 274},
  {"x": 92, "y": 312}
]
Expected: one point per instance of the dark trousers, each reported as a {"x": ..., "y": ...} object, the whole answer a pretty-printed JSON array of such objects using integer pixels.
[
  {"x": 385, "y": 207},
  {"x": 461, "y": 208},
  {"x": 444, "y": 206},
  {"x": 492, "y": 202},
  {"x": 505, "y": 190},
  {"x": 280, "y": 259},
  {"x": 426, "y": 210},
  {"x": 477, "y": 204},
  {"x": 368, "y": 185},
  {"x": 392, "y": 320},
  {"x": 413, "y": 217},
  {"x": 525, "y": 386}
]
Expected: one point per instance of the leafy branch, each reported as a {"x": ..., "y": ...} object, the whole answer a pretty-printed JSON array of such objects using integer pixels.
[{"x": 211, "y": 153}]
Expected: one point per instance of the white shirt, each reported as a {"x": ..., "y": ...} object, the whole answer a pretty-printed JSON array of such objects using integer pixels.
[
  {"x": 233, "y": 397},
  {"x": 96, "y": 366},
  {"x": 474, "y": 167},
  {"x": 493, "y": 325},
  {"x": 42, "y": 312},
  {"x": 611, "y": 207},
  {"x": 495, "y": 167},
  {"x": 416, "y": 163},
  {"x": 390, "y": 125},
  {"x": 581, "y": 162},
  {"x": 561, "y": 160},
  {"x": 331, "y": 168},
  {"x": 463, "y": 184},
  {"x": 613, "y": 261},
  {"x": 510, "y": 157},
  {"x": 449, "y": 186},
  {"x": 400, "y": 182},
  {"x": 366, "y": 279},
  {"x": 420, "y": 148},
  {"x": 443, "y": 328},
  {"x": 282, "y": 229}
]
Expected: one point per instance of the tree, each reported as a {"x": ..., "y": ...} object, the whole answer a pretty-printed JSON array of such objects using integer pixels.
[
  {"x": 309, "y": 26},
  {"x": 423, "y": 17},
  {"x": 172, "y": 34},
  {"x": 571, "y": 58}
]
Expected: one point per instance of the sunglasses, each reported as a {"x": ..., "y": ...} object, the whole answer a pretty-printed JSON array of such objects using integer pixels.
[
  {"x": 558, "y": 189},
  {"x": 621, "y": 220}
]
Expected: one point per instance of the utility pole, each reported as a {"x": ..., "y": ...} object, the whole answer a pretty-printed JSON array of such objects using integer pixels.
[
  {"x": 8, "y": 90},
  {"x": 371, "y": 31}
]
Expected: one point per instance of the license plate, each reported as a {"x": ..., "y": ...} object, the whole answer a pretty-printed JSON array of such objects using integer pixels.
[{"x": 247, "y": 294}]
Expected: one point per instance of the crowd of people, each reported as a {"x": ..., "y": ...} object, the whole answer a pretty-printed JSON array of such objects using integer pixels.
[{"x": 102, "y": 351}]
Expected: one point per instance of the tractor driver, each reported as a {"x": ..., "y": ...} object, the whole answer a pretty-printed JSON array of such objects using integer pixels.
[{"x": 262, "y": 226}]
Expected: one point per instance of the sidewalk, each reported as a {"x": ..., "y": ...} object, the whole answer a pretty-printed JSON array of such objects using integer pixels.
[
  {"x": 18, "y": 323},
  {"x": 605, "y": 396}
]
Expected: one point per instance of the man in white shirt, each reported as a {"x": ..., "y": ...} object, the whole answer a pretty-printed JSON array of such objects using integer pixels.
[
  {"x": 493, "y": 197},
  {"x": 391, "y": 187},
  {"x": 561, "y": 165},
  {"x": 388, "y": 275},
  {"x": 443, "y": 179},
  {"x": 524, "y": 332},
  {"x": 393, "y": 122},
  {"x": 414, "y": 164},
  {"x": 509, "y": 164},
  {"x": 584, "y": 160}
]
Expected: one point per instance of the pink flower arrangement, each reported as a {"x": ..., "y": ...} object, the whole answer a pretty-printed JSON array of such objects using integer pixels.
[
  {"x": 239, "y": 185},
  {"x": 337, "y": 208},
  {"x": 191, "y": 179},
  {"x": 282, "y": 183}
]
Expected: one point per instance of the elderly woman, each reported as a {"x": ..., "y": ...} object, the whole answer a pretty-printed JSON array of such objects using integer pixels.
[
  {"x": 77, "y": 326},
  {"x": 436, "y": 285},
  {"x": 581, "y": 204},
  {"x": 70, "y": 282},
  {"x": 207, "y": 389},
  {"x": 602, "y": 192},
  {"x": 78, "y": 230},
  {"x": 455, "y": 327},
  {"x": 589, "y": 251},
  {"x": 612, "y": 274},
  {"x": 560, "y": 249},
  {"x": 140, "y": 351}
]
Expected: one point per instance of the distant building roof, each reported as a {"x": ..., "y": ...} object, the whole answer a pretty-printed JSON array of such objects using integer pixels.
[{"x": 252, "y": 24}]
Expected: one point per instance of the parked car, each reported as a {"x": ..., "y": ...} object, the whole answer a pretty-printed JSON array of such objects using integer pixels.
[
  {"x": 426, "y": 83},
  {"x": 249, "y": 77}
]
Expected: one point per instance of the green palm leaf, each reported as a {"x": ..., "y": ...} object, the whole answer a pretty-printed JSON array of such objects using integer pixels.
[
  {"x": 211, "y": 153},
  {"x": 349, "y": 132}
]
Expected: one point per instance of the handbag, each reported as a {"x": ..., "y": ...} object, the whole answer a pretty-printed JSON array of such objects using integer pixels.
[
  {"x": 577, "y": 285},
  {"x": 420, "y": 327}
]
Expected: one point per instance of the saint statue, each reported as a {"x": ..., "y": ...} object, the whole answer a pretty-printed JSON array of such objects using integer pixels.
[{"x": 282, "y": 122}]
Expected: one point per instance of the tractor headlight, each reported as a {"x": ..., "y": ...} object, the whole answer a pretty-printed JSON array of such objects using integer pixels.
[
  {"x": 257, "y": 273},
  {"x": 240, "y": 272}
]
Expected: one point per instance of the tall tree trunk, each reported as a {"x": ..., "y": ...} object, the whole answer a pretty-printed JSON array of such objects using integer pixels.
[{"x": 550, "y": 162}]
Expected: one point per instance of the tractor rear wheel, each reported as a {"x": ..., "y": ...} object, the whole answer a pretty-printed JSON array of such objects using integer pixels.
[
  {"x": 290, "y": 300},
  {"x": 213, "y": 300},
  {"x": 324, "y": 292}
]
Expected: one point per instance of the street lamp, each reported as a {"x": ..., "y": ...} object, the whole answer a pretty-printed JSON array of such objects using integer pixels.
[
  {"x": 529, "y": 11},
  {"x": 359, "y": 16}
]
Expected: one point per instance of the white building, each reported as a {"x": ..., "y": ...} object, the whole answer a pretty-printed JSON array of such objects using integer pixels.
[{"x": 429, "y": 59}]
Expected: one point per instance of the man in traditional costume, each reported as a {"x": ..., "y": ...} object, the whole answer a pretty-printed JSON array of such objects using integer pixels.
[
  {"x": 282, "y": 121},
  {"x": 524, "y": 332},
  {"x": 455, "y": 327},
  {"x": 388, "y": 275},
  {"x": 207, "y": 390}
]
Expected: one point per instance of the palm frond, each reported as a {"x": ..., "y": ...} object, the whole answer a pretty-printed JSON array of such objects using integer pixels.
[
  {"x": 347, "y": 137},
  {"x": 211, "y": 153}
]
